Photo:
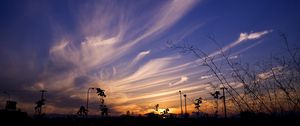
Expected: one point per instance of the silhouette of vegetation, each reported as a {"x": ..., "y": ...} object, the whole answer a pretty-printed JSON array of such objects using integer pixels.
[
  {"x": 100, "y": 92},
  {"x": 216, "y": 97},
  {"x": 103, "y": 108},
  {"x": 82, "y": 112},
  {"x": 270, "y": 86},
  {"x": 11, "y": 105},
  {"x": 197, "y": 103},
  {"x": 128, "y": 113},
  {"x": 39, "y": 105},
  {"x": 166, "y": 111}
]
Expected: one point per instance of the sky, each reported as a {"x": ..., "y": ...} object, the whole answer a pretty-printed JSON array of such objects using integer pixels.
[{"x": 121, "y": 46}]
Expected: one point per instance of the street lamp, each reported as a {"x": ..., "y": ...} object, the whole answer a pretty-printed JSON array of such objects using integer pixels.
[
  {"x": 87, "y": 100},
  {"x": 185, "y": 109},
  {"x": 180, "y": 102}
]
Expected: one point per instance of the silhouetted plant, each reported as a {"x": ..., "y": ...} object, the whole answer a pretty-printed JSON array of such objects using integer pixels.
[
  {"x": 128, "y": 113},
  {"x": 273, "y": 86},
  {"x": 197, "y": 103},
  {"x": 216, "y": 94},
  {"x": 100, "y": 92},
  {"x": 82, "y": 112},
  {"x": 104, "y": 110},
  {"x": 39, "y": 105},
  {"x": 216, "y": 97},
  {"x": 166, "y": 111}
]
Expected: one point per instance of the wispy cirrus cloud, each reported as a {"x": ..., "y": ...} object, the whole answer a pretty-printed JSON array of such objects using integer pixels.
[
  {"x": 242, "y": 38},
  {"x": 206, "y": 76},
  {"x": 101, "y": 56},
  {"x": 254, "y": 35},
  {"x": 139, "y": 57},
  {"x": 268, "y": 74},
  {"x": 182, "y": 80}
]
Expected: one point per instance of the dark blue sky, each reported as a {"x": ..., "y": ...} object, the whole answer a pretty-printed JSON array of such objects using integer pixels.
[{"x": 67, "y": 46}]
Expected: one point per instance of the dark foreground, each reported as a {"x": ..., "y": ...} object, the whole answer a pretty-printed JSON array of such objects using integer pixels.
[{"x": 143, "y": 121}]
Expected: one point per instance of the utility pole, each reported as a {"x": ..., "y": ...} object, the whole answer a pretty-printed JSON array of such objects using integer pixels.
[
  {"x": 185, "y": 109},
  {"x": 42, "y": 91},
  {"x": 180, "y": 102},
  {"x": 42, "y": 99},
  {"x": 225, "y": 112}
]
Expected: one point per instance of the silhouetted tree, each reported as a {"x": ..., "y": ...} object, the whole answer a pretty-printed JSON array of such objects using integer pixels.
[
  {"x": 11, "y": 105},
  {"x": 216, "y": 94},
  {"x": 166, "y": 111},
  {"x": 197, "y": 103},
  {"x": 100, "y": 92},
  {"x": 209, "y": 62},
  {"x": 104, "y": 110},
  {"x": 273, "y": 86},
  {"x": 128, "y": 113},
  {"x": 216, "y": 97},
  {"x": 39, "y": 105},
  {"x": 82, "y": 111}
]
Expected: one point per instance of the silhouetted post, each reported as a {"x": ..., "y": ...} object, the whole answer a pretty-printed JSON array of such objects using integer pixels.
[
  {"x": 42, "y": 91},
  {"x": 87, "y": 101},
  {"x": 225, "y": 112},
  {"x": 42, "y": 99},
  {"x": 180, "y": 102},
  {"x": 185, "y": 110}
]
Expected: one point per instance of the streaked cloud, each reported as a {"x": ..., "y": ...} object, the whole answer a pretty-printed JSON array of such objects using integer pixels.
[
  {"x": 167, "y": 15},
  {"x": 182, "y": 80},
  {"x": 234, "y": 57},
  {"x": 242, "y": 38},
  {"x": 206, "y": 76},
  {"x": 250, "y": 36},
  {"x": 139, "y": 57},
  {"x": 268, "y": 74}
]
